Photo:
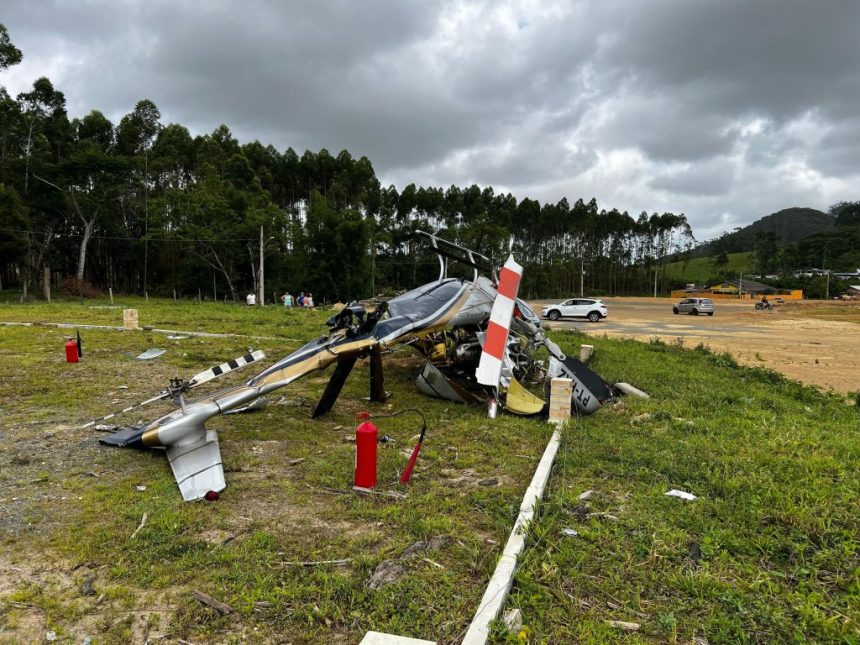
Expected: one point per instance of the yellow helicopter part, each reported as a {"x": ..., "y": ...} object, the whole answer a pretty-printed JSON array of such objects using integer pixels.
[{"x": 520, "y": 401}]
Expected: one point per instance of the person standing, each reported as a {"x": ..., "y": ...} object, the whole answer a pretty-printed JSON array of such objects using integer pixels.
[
  {"x": 287, "y": 299},
  {"x": 300, "y": 301},
  {"x": 251, "y": 299},
  {"x": 309, "y": 300}
]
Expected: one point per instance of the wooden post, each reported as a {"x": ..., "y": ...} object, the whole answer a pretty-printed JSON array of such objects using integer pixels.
[
  {"x": 585, "y": 352},
  {"x": 110, "y": 291}
]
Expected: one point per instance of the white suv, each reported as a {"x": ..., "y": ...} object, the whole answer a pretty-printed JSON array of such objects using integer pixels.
[{"x": 590, "y": 308}]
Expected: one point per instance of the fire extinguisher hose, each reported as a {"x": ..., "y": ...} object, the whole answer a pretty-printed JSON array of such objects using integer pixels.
[{"x": 407, "y": 472}]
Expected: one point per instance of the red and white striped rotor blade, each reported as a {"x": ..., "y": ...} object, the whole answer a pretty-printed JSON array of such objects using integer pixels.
[{"x": 490, "y": 368}]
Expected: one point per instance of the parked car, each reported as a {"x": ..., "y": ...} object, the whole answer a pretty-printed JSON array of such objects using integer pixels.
[
  {"x": 694, "y": 306},
  {"x": 590, "y": 308}
]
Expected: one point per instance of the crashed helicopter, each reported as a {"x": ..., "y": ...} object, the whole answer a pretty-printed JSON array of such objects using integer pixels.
[{"x": 449, "y": 321}]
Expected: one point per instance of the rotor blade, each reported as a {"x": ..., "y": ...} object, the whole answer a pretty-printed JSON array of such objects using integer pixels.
[
  {"x": 495, "y": 345},
  {"x": 214, "y": 372},
  {"x": 335, "y": 385},
  {"x": 198, "y": 379},
  {"x": 161, "y": 395}
]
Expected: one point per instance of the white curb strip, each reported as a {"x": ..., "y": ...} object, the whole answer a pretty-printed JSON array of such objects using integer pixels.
[{"x": 500, "y": 584}]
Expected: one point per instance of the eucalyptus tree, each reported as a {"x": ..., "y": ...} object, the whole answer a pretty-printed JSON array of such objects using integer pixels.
[{"x": 135, "y": 136}]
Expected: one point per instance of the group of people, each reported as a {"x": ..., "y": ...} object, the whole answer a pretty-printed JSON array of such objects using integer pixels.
[{"x": 304, "y": 300}]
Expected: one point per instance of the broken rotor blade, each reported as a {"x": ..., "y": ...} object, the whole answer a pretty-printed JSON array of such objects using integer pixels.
[
  {"x": 161, "y": 395},
  {"x": 198, "y": 379}
]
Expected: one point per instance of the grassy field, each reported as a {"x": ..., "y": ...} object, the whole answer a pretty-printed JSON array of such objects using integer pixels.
[
  {"x": 699, "y": 270},
  {"x": 768, "y": 553}
]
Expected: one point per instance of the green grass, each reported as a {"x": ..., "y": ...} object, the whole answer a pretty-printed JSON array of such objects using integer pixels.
[
  {"x": 700, "y": 270},
  {"x": 773, "y": 534},
  {"x": 774, "y": 465}
]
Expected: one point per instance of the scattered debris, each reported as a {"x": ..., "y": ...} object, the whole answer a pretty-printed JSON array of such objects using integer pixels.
[
  {"x": 177, "y": 337},
  {"x": 581, "y": 511},
  {"x": 122, "y": 387},
  {"x": 232, "y": 537},
  {"x": 433, "y": 562},
  {"x": 607, "y": 516},
  {"x": 385, "y": 573},
  {"x": 682, "y": 494},
  {"x": 87, "y": 588},
  {"x": 296, "y": 462},
  {"x": 513, "y": 620},
  {"x": 430, "y": 545},
  {"x": 490, "y": 481},
  {"x": 620, "y": 624},
  {"x": 586, "y": 495},
  {"x": 628, "y": 389},
  {"x": 569, "y": 532},
  {"x": 315, "y": 563},
  {"x": 383, "y": 493},
  {"x": 209, "y": 601},
  {"x": 151, "y": 353},
  {"x": 51, "y": 636},
  {"x": 389, "y": 571},
  {"x": 140, "y": 488},
  {"x": 641, "y": 418},
  {"x": 106, "y": 427},
  {"x": 142, "y": 524}
]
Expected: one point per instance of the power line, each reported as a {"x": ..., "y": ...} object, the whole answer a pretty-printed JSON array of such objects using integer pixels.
[{"x": 131, "y": 239}]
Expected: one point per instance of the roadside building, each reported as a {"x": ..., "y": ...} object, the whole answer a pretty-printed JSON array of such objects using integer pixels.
[
  {"x": 853, "y": 291},
  {"x": 743, "y": 286},
  {"x": 752, "y": 289}
]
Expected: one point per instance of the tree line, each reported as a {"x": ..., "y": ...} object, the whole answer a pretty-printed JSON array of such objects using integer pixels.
[{"x": 145, "y": 207}]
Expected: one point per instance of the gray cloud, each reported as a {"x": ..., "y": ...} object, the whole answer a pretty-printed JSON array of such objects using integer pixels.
[{"x": 724, "y": 109}]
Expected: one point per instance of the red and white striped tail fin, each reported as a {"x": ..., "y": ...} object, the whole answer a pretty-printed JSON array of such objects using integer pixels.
[{"x": 490, "y": 368}]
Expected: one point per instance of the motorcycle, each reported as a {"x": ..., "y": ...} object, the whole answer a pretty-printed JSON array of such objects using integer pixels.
[{"x": 759, "y": 306}]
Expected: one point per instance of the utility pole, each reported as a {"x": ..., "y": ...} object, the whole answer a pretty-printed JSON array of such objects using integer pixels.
[
  {"x": 581, "y": 276},
  {"x": 827, "y": 294},
  {"x": 262, "y": 281},
  {"x": 655, "y": 280},
  {"x": 741, "y": 286}
]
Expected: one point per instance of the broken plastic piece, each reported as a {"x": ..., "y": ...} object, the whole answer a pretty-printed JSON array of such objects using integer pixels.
[
  {"x": 151, "y": 353},
  {"x": 682, "y": 494}
]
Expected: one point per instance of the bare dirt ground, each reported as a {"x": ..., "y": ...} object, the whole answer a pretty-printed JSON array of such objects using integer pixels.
[{"x": 814, "y": 341}]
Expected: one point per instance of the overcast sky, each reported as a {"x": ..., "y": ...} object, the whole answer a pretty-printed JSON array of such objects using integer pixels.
[{"x": 725, "y": 110}]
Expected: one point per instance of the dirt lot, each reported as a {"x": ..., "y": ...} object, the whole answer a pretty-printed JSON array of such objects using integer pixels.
[{"x": 817, "y": 342}]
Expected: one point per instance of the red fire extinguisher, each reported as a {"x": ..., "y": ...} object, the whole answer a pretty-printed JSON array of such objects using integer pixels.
[
  {"x": 72, "y": 355},
  {"x": 366, "y": 437}
]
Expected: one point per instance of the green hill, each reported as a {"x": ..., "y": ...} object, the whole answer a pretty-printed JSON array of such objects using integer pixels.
[
  {"x": 790, "y": 225},
  {"x": 699, "y": 270}
]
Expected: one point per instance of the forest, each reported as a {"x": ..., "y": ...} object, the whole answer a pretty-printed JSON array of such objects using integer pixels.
[{"x": 145, "y": 207}]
